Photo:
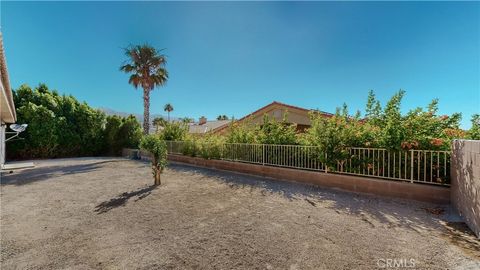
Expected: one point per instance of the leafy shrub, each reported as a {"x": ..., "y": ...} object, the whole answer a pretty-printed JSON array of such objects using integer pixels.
[
  {"x": 190, "y": 147},
  {"x": 270, "y": 131},
  {"x": 210, "y": 146},
  {"x": 241, "y": 132},
  {"x": 383, "y": 128},
  {"x": 61, "y": 126},
  {"x": 174, "y": 131},
  {"x": 159, "y": 122},
  {"x": 418, "y": 129},
  {"x": 276, "y": 132},
  {"x": 121, "y": 132},
  {"x": 332, "y": 136},
  {"x": 158, "y": 149},
  {"x": 474, "y": 132}
]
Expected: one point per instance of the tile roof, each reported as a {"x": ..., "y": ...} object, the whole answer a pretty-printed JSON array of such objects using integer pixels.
[
  {"x": 325, "y": 114},
  {"x": 285, "y": 105}
]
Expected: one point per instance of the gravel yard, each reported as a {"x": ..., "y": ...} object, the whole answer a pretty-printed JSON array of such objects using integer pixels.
[{"x": 100, "y": 213}]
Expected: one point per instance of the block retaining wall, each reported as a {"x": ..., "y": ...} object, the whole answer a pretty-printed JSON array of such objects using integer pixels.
[{"x": 390, "y": 188}]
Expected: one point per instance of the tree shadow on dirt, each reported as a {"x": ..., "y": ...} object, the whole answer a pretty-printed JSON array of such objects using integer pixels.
[
  {"x": 123, "y": 198},
  {"x": 28, "y": 176},
  {"x": 374, "y": 210}
]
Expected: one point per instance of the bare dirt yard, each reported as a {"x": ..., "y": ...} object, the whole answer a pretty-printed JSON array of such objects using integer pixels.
[{"x": 99, "y": 213}]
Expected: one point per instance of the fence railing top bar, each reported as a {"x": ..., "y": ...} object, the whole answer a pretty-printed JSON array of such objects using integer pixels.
[
  {"x": 355, "y": 148},
  {"x": 433, "y": 151},
  {"x": 368, "y": 148},
  {"x": 411, "y": 150},
  {"x": 268, "y": 144}
]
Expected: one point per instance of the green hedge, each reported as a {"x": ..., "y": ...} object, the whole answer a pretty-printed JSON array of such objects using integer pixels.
[{"x": 61, "y": 126}]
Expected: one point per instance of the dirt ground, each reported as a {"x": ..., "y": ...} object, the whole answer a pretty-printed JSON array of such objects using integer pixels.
[{"x": 98, "y": 213}]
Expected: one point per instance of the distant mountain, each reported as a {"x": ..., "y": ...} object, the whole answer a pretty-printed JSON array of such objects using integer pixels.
[
  {"x": 109, "y": 111},
  {"x": 139, "y": 117}
]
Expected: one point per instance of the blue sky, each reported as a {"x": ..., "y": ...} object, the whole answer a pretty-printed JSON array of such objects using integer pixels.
[{"x": 234, "y": 57}]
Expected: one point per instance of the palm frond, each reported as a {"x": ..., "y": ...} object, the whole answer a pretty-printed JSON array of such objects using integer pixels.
[
  {"x": 127, "y": 68},
  {"x": 146, "y": 66},
  {"x": 135, "y": 80}
]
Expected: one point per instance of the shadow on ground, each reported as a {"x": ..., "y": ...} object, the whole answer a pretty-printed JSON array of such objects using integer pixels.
[
  {"x": 123, "y": 198},
  {"x": 28, "y": 176},
  {"x": 374, "y": 210},
  {"x": 459, "y": 234}
]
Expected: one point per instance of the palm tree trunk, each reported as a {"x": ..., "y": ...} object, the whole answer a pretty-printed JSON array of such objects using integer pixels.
[
  {"x": 168, "y": 112},
  {"x": 146, "y": 111}
]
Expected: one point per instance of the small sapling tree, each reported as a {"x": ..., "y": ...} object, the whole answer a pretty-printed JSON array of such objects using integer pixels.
[{"x": 158, "y": 149}]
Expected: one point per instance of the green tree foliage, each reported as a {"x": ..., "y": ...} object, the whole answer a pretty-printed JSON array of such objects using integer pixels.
[
  {"x": 373, "y": 110},
  {"x": 393, "y": 132},
  {"x": 210, "y": 146},
  {"x": 159, "y": 122},
  {"x": 272, "y": 131},
  {"x": 333, "y": 135},
  {"x": 241, "y": 132},
  {"x": 158, "y": 149},
  {"x": 121, "y": 132},
  {"x": 418, "y": 129},
  {"x": 383, "y": 127},
  {"x": 427, "y": 130},
  {"x": 222, "y": 117},
  {"x": 174, "y": 131},
  {"x": 61, "y": 126},
  {"x": 474, "y": 132},
  {"x": 190, "y": 146}
]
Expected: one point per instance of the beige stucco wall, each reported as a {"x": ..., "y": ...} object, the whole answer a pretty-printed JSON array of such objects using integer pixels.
[
  {"x": 465, "y": 190},
  {"x": 278, "y": 112}
]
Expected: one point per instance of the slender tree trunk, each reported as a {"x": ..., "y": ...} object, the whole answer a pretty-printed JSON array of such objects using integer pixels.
[
  {"x": 168, "y": 112},
  {"x": 146, "y": 110},
  {"x": 158, "y": 182}
]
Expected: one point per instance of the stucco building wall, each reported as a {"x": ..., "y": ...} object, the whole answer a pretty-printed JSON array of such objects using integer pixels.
[{"x": 465, "y": 189}]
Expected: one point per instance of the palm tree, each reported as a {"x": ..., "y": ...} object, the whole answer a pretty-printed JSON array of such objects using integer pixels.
[
  {"x": 147, "y": 68},
  {"x": 168, "y": 108}
]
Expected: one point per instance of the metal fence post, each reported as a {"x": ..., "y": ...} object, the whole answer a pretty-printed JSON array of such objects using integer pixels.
[
  {"x": 325, "y": 164},
  {"x": 411, "y": 166},
  {"x": 263, "y": 154}
]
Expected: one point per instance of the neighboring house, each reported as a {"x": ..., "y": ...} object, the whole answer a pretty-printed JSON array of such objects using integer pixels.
[
  {"x": 294, "y": 115},
  {"x": 7, "y": 108},
  {"x": 203, "y": 126}
]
